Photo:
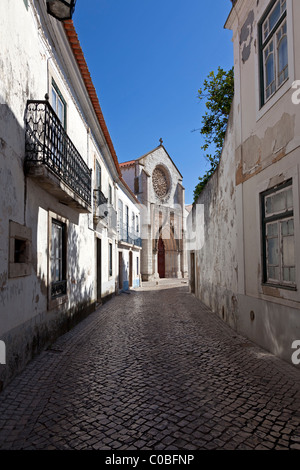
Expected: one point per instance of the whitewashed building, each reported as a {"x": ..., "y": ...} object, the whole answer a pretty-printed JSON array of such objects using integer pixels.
[
  {"x": 245, "y": 260},
  {"x": 129, "y": 240},
  {"x": 60, "y": 182}
]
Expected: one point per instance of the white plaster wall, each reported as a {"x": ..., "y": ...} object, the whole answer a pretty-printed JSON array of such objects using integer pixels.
[
  {"x": 26, "y": 323},
  {"x": 134, "y": 208},
  {"x": 128, "y": 174}
]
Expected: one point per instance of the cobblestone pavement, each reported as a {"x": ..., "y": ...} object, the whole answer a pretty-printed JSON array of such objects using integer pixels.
[{"x": 152, "y": 370}]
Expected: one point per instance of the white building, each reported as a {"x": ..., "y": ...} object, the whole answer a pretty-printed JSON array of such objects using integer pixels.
[
  {"x": 245, "y": 261},
  {"x": 129, "y": 240},
  {"x": 60, "y": 182}
]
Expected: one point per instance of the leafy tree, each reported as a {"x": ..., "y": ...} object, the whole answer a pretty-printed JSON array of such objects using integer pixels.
[{"x": 218, "y": 89}]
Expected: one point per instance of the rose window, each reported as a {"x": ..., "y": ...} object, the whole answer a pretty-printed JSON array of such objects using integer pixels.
[{"x": 160, "y": 182}]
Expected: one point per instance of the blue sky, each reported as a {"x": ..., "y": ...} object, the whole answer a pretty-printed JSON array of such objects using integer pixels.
[{"x": 147, "y": 60}]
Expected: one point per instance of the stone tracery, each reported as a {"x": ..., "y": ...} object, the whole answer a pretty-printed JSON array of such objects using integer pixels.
[{"x": 160, "y": 182}]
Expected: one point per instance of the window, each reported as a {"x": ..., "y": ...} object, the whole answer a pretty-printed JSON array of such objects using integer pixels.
[
  {"x": 273, "y": 49},
  {"x": 110, "y": 194},
  {"x": 98, "y": 185},
  {"x": 19, "y": 250},
  {"x": 127, "y": 221},
  {"x": 278, "y": 236},
  {"x": 137, "y": 224},
  {"x": 120, "y": 210},
  {"x": 58, "y": 259},
  {"x": 110, "y": 264},
  {"x": 58, "y": 104},
  {"x": 98, "y": 175}
]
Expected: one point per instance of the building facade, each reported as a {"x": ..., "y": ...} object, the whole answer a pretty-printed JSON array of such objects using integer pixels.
[
  {"x": 129, "y": 241},
  {"x": 157, "y": 184},
  {"x": 59, "y": 183},
  {"x": 244, "y": 230}
]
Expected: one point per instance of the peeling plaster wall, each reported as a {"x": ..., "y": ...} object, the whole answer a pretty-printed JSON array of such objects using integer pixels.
[
  {"x": 216, "y": 275},
  {"x": 267, "y": 153},
  {"x": 266, "y": 133},
  {"x": 261, "y": 150}
]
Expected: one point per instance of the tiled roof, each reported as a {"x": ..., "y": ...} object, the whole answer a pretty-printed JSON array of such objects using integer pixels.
[{"x": 131, "y": 162}]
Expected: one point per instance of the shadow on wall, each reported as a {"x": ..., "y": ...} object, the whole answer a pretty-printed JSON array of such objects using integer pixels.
[{"x": 34, "y": 326}]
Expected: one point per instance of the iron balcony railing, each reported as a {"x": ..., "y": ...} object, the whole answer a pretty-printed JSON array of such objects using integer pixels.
[
  {"x": 129, "y": 236},
  {"x": 100, "y": 199},
  {"x": 47, "y": 143},
  {"x": 104, "y": 210}
]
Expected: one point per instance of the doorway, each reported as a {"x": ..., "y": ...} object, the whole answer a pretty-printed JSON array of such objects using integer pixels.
[
  {"x": 120, "y": 270},
  {"x": 161, "y": 258},
  {"x": 192, "y": 279},
  {"x": 130, "y": 268},
  {"x": 99, "y": 270}
]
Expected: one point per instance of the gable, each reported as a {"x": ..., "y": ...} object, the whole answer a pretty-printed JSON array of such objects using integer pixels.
[{"x": 160, "y": 156}]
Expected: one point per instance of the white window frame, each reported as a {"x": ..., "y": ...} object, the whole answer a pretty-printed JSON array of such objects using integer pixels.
[
  {"x": 270, "y": 41},
  {"x": 277, "y": 219},
  {"x": 54, "y": 302},
  {"x": 59, "y": 99}
]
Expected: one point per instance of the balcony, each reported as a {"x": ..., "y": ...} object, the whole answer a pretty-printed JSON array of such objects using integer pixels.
[
  {"x": 52, "y": 159},
  {"x": 104, "y": 211},
  {"x": 100, "y": 205},
  {"x": 132, "y": 237}
]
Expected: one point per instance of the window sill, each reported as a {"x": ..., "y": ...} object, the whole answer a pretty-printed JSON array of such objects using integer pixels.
[
  {"x": 279, "y": 93},
  {"x": 57, "y": 302},
  {"x": 274, "y": 289},
  {"x": 19, "y": 270}
]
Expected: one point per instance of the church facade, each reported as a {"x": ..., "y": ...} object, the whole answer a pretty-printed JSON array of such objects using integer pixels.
[{"x": 157, "y": 184}]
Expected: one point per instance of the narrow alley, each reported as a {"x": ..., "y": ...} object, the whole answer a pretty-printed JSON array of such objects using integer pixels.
[{"x": 152, "y": 369}]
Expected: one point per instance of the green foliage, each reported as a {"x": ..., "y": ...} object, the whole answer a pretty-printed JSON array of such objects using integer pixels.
[{"x": 218, "y": 90}]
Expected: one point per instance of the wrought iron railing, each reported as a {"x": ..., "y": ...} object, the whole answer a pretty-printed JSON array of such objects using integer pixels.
[
  {"x": 47, "y": 143},
  {"x": 99, "y": 198},
  {"x": 58, "y": 288},
  {"x": 129, "y": 236}
]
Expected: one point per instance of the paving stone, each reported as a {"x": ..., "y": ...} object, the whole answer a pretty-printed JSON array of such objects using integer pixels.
[{"x": 154, "y": 370}]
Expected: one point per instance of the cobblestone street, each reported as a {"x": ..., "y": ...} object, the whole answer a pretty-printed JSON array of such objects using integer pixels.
[{"x": 152, "y": 369}]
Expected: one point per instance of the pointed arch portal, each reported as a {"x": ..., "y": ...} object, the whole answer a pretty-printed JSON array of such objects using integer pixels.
[{"x": 161, "y": 260}]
